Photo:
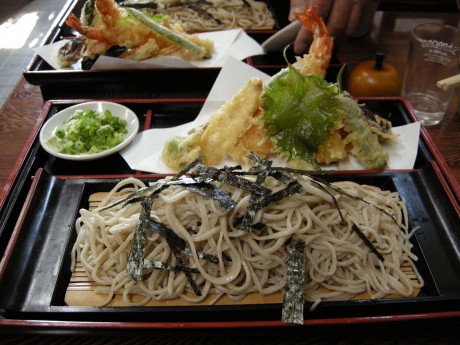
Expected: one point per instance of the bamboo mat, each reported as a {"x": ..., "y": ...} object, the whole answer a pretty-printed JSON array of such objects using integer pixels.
[{"x": 81, "y": 288}]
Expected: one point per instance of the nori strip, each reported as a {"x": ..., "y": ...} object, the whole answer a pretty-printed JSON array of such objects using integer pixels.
[
  {"x": 177, "y": 245},
  {"x": 132, "y": 198},
  {"x": 366, "y": 241},
  {"x": 232, "y": 168},
  {"x": 202, "y": 255},
  {"x": 137, "y": 196},
  {"x": 255, "y": 199},
  {"x": 278, "y": 175},
  {"x": 351, "y": 196},
  {"x": 175, "y": 242},
  {"x": 292, "y": 188},
  {"x": 189, "y": 166},
  {"x": 136, "y": 255},
  {"x": 334, "y": 200},
  {"x": 229, "y": 178},
  {"x": 257, "y": 226},
  {"x": 214, "y": 193},
  {"x": 354, "y": 227},
  {"x": 259, "y": 201},
  {"x": 309, "y": 173},
  {"x": 164, "y": 265},
  {"x": 293, "y": 301},
  {"x": 200, "y": 187}
]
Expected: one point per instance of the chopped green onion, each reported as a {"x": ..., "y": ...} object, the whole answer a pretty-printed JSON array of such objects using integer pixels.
[{"x": 88, "y": 132}]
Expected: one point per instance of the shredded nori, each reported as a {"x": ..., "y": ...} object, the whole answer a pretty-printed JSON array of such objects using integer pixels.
[
  {"x": 294, "y": 187},
  {"x": 136, "y": 255},
  {"x": 366, "y": 241},
  {"x": 256, "y": 226},
  {"x": 354, "y": 227},
  {"x": 189, "y": 166},
  {"x": 177, "y": 245},
  {"x": 201, "y": 180},
  {"x": 214, "y": 193},
  {"x": 164, "y": 265},
  {"x": 232, "y": 179},
  {"x": 255, "y": 199},
  {"x": 202, "y": 255},
  {"x": 293, "y": 301}
]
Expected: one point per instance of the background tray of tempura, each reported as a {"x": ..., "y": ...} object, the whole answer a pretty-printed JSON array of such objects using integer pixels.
[
  {"x": 190, "y": 82},
  {"x": 41, "y": 202}
]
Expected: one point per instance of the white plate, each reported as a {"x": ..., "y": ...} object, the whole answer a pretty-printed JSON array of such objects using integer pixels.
[
  {"x": 282, "y": 38},
  {"x": 118, "y": 110}
]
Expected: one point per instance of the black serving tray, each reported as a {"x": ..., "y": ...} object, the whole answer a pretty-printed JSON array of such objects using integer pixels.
[
  {"x": 46, "y": 193},
  {"x": 38, "y": 269},
  {"x": 154, "y": 83}
]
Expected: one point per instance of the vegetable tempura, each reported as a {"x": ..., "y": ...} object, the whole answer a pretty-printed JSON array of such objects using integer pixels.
[{"x": 298, "y": 116}]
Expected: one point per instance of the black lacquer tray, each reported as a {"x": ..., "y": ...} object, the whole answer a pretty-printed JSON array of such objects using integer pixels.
[
  {"x": 40, "y": 208},
  {"x": 194, "y": 82}
]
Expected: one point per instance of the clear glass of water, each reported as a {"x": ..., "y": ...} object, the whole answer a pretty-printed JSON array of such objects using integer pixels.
[{"x": 434, "y": 52}]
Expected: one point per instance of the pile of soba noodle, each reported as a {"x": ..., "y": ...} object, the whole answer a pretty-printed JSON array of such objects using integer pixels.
[
  {"x": 213, "y": 15},
  {"x": 338, "y": 264}
]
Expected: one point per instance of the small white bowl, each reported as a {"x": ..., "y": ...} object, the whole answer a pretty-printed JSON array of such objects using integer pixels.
[{"x": 118, "y": 110}]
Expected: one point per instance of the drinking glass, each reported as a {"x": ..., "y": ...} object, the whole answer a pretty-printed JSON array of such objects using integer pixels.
[{"x": 433, "y": 55}]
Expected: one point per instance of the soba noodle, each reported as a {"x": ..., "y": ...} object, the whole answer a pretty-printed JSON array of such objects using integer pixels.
[
  {"x": 213, "y": 15},
  {"x": 339, "y": 265}
]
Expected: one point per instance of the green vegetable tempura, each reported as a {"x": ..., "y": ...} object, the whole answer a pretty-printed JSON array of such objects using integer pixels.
[
  {"x": 88, "y": 132},
  {"x": 300, "y": 112}
]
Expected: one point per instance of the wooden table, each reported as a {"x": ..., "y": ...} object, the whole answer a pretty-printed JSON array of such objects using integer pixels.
[{"x": 390, "y": 34}]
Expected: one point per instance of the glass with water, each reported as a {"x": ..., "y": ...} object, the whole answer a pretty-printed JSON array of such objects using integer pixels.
[{"x": 433, "y": 55}]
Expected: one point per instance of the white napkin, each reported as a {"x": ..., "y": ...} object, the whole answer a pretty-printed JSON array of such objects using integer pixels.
[
  {"x": 234, "y": 75},
  {"x": 234, "y": 42}
]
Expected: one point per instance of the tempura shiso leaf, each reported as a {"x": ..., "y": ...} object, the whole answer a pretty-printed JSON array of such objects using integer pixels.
[{"x": 299, "y": 112}]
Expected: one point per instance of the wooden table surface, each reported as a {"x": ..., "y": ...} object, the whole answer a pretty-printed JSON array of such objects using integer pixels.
[{"x": 390, "y": 33}]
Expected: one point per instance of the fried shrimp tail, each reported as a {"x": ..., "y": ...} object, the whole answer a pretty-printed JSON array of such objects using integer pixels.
[
  {"x": 88, "y": 32},
  {"x": 106, "y": 24},
  {"x": 318, "y": 58}
]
